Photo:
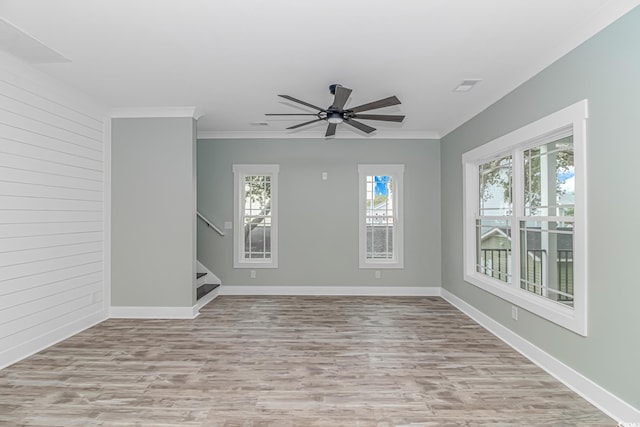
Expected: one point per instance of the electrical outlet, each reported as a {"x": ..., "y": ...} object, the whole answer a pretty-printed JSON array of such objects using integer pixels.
[
  {"x": 514, "y": 312},
  {"x": 377, "y": 274},
  {"x": 324, "y": 176},
  {"x": 253, "y": 274}
]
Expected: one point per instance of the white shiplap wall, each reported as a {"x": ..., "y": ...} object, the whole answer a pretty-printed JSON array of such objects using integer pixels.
[{"x": 52, "y": 211}]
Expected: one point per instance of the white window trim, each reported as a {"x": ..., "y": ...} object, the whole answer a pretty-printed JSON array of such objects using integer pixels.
[
  {"x": 397, "y": 172},
  {"x": 570, "y": 120},
  {"x": 239, "y": 172}
]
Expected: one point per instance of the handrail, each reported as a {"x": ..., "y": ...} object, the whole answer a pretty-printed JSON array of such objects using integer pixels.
[{"x": 209, "y": 223}]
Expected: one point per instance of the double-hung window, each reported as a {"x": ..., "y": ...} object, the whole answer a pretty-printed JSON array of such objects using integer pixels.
[
  {"x": 380, "y": 216},
  {"x": 255, "y": 216},
  {"x": 525, "y": 220}
]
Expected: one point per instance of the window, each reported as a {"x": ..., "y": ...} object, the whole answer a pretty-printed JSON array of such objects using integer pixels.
[
  {"x": 525, "y": 219},
  {"x": 380, "y": 219},
  {"x": 493, "y": 224},
  {"x": 255, "y": 216}
]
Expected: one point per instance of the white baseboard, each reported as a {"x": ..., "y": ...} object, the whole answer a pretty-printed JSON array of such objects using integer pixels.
[
  {"x": 413, "y": 291},
  {"x": 144, "y": 312},
  {"x": 608, "y": 403},
  {"x": 37, "y": 344},
  {"x": 153, "y": 312}
]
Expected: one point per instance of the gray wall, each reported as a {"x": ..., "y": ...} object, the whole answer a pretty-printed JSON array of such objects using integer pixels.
[
  {"x": 153, "y": 212},
  {"x": 604, "y": 70},
  {"x": 319, "y": 219}
]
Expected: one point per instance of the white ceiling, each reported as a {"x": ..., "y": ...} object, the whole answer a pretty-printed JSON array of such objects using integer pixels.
[{"x": 231, "y": 58}]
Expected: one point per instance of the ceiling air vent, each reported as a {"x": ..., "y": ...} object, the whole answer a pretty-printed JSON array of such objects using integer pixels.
[{"x": 467, "y": 85}]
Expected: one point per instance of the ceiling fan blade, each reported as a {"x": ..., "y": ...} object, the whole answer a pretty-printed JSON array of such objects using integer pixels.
[
  {"x": 358, "y": 125},
  {"x": 383, "y": 117},
  {"x": 291, "y": 114},
  {"x": 342, "y": 94},
  {"x": 381, "y": 103},
  {"x": 331, "y": 129},
  {"x": 305, "y": 123},
  {"x": 291, "y": 98}
]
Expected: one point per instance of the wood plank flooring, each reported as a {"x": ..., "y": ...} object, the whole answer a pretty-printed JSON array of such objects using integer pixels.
[{"x": 290, "y": 361}]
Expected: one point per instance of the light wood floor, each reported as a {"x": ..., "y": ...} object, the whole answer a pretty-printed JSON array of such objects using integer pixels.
[{"x": 290, "y": 361}]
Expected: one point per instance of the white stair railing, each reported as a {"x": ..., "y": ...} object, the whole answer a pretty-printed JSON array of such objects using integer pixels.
[{"x": 209, "y": 223}]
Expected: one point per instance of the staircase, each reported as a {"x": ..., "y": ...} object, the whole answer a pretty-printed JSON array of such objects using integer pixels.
[
  {"x": 203, "y": 288},
  {"x": 207, "y": 285}
]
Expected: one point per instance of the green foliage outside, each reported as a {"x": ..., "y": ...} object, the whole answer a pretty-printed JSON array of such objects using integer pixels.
[
  {"x": 258, "y": 190},
  {"x": 378, "y": 199},
  {"x": 497, "y": 174}
]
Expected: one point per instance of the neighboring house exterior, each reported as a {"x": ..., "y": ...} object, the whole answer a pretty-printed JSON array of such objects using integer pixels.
[
  {"x": 380, "y": 228},
  {"x": 495, "y": 255}
]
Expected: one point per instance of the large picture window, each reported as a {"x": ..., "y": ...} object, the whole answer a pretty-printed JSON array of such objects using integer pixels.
[
  {"x": 255, "y": 217},
  {"x": 525, "y": 220},
  {"x": 381, "y": 220}
]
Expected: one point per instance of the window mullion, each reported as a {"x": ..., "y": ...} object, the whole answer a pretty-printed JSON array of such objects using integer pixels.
[
  {"x": 395, "y": 223},
  {"x": 518, "y": 202},
  {"x": 243, "y": 215}
]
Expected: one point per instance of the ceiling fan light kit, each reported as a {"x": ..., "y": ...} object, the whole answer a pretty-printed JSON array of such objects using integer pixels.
[
  {"x": 334, "y": 117},
  {"x": 336, "y": 113}
]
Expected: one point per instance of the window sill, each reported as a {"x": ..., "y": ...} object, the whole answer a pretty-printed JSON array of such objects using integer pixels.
[
  {"x": 562, "y": 315},
  {"x": 256, "y": 264},
  {"x": 381, "y": 265}
]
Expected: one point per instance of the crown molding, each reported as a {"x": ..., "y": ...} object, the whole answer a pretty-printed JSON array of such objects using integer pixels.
[
  {"x": 26, "y": 47},
  {"x": 315, "y": 135},
  {"x": 155, "y": 112}
]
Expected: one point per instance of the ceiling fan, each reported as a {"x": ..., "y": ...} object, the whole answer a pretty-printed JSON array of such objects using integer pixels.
[{"x": 336, "y": 113}]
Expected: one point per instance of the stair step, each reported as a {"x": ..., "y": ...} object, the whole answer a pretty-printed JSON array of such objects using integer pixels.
[
  {"x": 205, "y": 289},
  {"x": 199, "y": 275}
]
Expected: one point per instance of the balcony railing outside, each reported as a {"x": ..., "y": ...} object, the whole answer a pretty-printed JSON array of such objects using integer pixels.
[{"x": 494, "y": 263}]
